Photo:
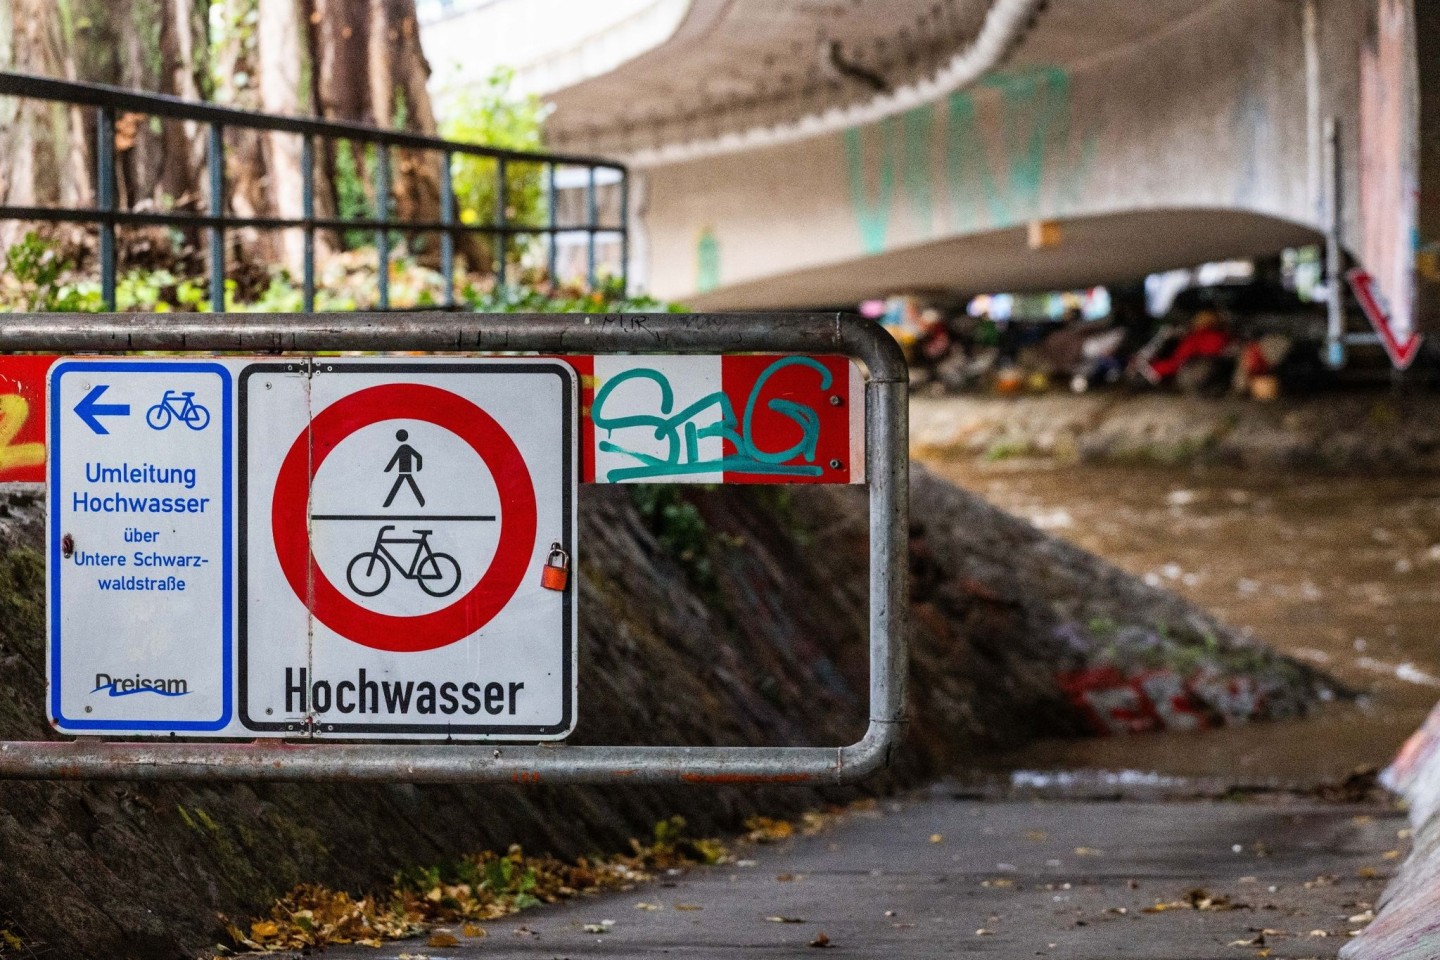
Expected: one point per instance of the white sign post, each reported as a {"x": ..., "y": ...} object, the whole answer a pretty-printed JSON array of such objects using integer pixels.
[{"x": 139, "y": 534}]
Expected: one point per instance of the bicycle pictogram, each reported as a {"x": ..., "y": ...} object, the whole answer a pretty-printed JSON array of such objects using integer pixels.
[
  {"x": 438, "y": 574},
  {"x": 178, "y": 405}
]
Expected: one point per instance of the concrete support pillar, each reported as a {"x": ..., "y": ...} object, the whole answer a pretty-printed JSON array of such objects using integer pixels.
[{"x": 1427, "y": 248}]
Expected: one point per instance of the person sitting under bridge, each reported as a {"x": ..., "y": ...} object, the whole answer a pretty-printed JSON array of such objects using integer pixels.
[{"x": 1199, "y": 356}]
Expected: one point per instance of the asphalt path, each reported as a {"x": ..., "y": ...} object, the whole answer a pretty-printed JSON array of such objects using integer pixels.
[{"x": 943, "y": 876}]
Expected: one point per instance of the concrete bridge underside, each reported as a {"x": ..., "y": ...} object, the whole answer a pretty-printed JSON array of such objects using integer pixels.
[
  {"x": 1109, "y": 248},
  {"x": 1200, "y": 140},
  {"x": 1156, "y": 134},
  {"x": 813, "y": 152}
]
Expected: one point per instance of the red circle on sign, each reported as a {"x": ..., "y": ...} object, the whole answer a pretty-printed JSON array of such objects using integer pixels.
[{"x": 290, "y": 527}]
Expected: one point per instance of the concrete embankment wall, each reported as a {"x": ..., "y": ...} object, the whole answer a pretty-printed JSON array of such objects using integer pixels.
[
  {"x": 1407, "y": 926},
  {"x": 723, "y": 616},
  {"x": 1374, "y": 430}
]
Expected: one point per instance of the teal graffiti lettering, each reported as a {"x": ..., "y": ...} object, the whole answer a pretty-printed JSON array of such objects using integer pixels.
[
  {"x": 966, "y": 153},
  {"x": 707, "y": 262},
  {"x": 1031, "y": 132},
  {"x": 872, "y": 218},
  {"x": 682, "y": 430},
  {"x": 918, "y": 124}
]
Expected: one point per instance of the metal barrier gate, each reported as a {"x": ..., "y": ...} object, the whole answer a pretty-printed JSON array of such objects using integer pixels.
[{"x": 886, "y": 470}]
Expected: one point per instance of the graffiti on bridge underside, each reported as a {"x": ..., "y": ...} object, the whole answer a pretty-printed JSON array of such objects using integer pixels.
[
  {"x": 680, "y": 432},
  {"x": 1006, "y": 151}
]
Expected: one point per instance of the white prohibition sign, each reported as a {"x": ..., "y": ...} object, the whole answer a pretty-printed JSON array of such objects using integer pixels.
[{"x": 396, "y": 518}]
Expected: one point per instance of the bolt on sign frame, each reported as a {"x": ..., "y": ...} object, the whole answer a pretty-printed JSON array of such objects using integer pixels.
[{"x": 886, "y": 470}]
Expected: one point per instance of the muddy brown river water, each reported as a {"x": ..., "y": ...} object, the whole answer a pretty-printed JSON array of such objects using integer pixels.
[{"x": 1339, "y": 571}]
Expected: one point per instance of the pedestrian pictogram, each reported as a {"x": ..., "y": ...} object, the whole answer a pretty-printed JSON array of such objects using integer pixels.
[
  {"x": 398, "y": 520},
  {"x": 406, "y": 463}
]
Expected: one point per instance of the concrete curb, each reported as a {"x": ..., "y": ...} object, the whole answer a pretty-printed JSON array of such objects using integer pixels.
[{"x": 1408, "y": 923}]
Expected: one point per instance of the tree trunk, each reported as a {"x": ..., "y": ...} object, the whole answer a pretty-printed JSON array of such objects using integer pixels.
[
  {"x": 236, "y": 67},
  {"x": 400, "y": 97},
  {"x": 283, "y": 62},
  {"x": 158, "y": 46},
  {"x": 185, "y": 44},
  {"x": 151, "y": 45},
  {"x": 46, "y": 159},
  {"x": 371, "y": 70},
  {"x": 350, "y": 60}
]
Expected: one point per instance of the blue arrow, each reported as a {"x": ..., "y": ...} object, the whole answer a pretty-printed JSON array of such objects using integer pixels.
[{"x": 89, "y": 410}]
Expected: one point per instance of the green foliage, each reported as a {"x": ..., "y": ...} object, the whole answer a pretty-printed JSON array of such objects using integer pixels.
[
  {"x": 672, "y": 841},
  {"x": 680, "y": 529},
  {"x": 39, "y": 278},
  {"x": 490, "y": 113},
  {"x": 351, "y": 194},
  {"x": 35, "y": 272},
  {"x": 609, "y": 297},
  {"x": 509, "y": 878},
  {"x": 233, "y": 24}
]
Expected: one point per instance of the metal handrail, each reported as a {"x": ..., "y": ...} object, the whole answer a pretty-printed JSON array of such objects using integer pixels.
[
  {"x": 109, "y": 100},
  {"x": 887, "y": 472}
]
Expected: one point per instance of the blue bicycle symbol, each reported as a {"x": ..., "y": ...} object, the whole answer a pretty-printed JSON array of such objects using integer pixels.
[{"x": 178, "y": 405}]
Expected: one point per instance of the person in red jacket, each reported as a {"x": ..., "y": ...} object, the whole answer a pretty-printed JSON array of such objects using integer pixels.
[{"x": 1207, "y": 338}]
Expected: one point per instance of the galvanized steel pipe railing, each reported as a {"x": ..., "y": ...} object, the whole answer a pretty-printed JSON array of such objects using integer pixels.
[{"x": 887, "y": 470}]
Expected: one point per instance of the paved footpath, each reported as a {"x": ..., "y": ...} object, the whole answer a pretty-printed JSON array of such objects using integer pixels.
[{"x": 936, "y": 876}]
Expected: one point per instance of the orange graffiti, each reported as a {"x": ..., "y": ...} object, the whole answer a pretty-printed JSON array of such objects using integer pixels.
[{"x": 14, "y": 411}]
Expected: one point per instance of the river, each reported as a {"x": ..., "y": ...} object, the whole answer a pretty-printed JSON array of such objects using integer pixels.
[{"x": 1339, "y": 571}]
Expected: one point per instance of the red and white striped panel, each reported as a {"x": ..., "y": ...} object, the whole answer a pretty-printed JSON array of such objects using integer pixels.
[{"x": 670, "y": 419}]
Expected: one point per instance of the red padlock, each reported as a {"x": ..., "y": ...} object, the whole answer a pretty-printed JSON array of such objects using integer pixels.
[{"x": 557, "y": 569}]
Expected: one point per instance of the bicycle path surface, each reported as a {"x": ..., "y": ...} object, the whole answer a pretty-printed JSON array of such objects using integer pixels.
[{"x": 940, "y": 876}]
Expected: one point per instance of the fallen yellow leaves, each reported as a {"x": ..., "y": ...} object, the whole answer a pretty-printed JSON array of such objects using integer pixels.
[
  {"x": 490, "y": 885},
  {"x": 480, "y": 887},
  {"x": 766, "y": 830},
  {"x": 310, "y": 915},
  {"x": 1198, "y": 899}
]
